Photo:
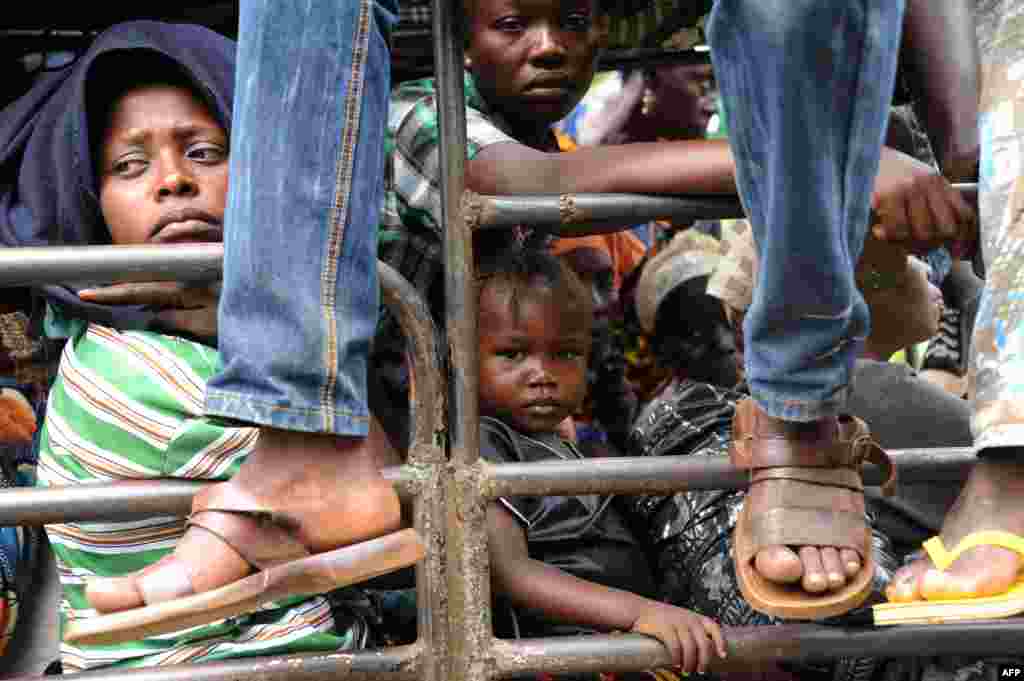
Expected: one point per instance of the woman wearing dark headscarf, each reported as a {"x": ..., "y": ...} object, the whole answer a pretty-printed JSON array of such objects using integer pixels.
[{"x": 130, "y": 145}]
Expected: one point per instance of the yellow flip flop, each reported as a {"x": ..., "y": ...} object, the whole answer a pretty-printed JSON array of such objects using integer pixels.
[{"x": 1003, "y": 605}]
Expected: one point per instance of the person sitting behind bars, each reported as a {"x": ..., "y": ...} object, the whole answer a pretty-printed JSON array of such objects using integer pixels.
[
  {"x": 563, "y": 563},
  {"x": 151, "y": 123}
]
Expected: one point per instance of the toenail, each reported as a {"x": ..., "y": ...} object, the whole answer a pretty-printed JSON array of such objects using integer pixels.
[
  {"x": 835, "y": 577},
  {"x": 853, "y": 565},
  {"x": 816, "y": 579}
]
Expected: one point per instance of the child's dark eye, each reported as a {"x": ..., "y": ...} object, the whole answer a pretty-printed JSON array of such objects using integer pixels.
[
  {"x": 511, "y": 355},
  {"x": 510, "y": 24},
  {"x": 578, "y": 21},
  {"x": 569, "y": 355}
]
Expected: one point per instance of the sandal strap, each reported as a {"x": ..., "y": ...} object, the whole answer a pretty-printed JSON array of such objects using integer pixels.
[
  {"x": 844, "y": 478},
  {"x": 852, "y": 446},
  {"x": 789, "y": 526},
  {"x": 262, "y": 538},
  {"x": 943, "y": 558}
]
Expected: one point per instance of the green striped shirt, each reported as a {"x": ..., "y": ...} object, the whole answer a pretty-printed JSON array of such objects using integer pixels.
[{"x": 129, "y": 405}]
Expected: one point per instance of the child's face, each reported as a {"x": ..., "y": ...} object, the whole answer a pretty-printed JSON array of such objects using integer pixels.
[
  {"x": 163, "y": 168},
  {"x": 534, "y": 59},
  {"x": 533, "y": 357}
]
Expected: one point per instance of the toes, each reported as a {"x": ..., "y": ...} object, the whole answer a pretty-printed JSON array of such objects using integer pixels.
[
  {"x": 834, "y": 572},
  {"x": 850, "y": 560},
  {"x": 905, "y": 584},
  {"x": 778, "y": 564},
  {"x": 814, "y": 579}
]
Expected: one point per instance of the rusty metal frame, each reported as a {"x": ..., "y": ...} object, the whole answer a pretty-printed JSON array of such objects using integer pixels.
[{"x": 444, "y": 477}]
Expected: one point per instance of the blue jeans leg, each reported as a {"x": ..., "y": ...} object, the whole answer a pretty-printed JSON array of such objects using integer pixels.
[
  {"x": 299, "y": 303},
  {"x": 807, "y": 86}
]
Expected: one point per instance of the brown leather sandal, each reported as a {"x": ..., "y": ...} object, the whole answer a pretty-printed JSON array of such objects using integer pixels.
[
  {"x": 804, "y": 491},
  {"x": 283, "y": 567}
]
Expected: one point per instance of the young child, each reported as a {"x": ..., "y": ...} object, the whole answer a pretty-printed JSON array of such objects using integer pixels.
[
  {"x": 559, "y": 560},
  {"x": 151, "y": 123}
]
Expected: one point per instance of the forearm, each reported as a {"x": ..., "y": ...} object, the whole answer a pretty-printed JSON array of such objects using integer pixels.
[
  {"x": 682, "y": 167},
  {"x": 941, "y": 50},
  {"x": 565, "y": 598}
]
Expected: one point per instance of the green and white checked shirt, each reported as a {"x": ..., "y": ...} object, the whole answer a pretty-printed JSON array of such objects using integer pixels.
[{"x": 129, "y": 406}]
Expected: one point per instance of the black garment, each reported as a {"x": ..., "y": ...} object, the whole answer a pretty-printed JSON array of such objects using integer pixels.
[
  {"x": 48, "y": 188},
  {"x": 584, "y": 535},
  {"x": 691, "y": 532}
]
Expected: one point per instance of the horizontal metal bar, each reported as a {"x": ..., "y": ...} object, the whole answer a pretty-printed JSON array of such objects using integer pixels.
[
  {"x": 666, "y": 474},
  {"x": 647, "y": 57},
  {"x": 399, "y": 663},
  {"x": 123, "y": 499},
  {"x": 577, "y": 214},
  {"x": 68, "y": 264},
  {"x": 567, "y": 214},
  {"x": 752, "y": 647},
  {"x": 130, "y": 499}
]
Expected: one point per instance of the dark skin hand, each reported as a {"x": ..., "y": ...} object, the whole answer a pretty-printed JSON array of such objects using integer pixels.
[
  {"x": 186, "y": 308},
  {"x": 692, "y": 639}
]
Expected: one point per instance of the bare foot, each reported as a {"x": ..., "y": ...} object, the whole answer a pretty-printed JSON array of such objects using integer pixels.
[
  {"x": 817, "y": 568},
  {"x": 991, "y": 500},
  {"x": 328, "y": 488}
]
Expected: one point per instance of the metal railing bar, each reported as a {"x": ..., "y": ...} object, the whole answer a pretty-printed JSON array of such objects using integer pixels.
[
  {"x": 468, "y": 579},
  {"x": 571, "y": 214},
  {"x": 642, "y": 57},
  {"x": 95, "y": 264},
  {"x": 624, "y": 475},
  {"x": 428, "y": 401},
  {"x": 577, "y": 214},
  {"x": 751, "y": 646},
  {"x": 131, "y": 499},
  {"x": 398, "y": 663}
]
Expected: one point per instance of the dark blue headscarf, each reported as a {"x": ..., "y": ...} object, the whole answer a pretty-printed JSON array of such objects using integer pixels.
[{"x": 48, "y": 188}]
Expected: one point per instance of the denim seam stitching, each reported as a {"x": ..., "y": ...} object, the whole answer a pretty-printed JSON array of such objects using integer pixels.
[
  {"x": 229, "y": 397},
  {"x": 339, "y": 211}
]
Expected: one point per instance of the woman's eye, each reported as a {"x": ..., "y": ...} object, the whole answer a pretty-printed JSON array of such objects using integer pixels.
[
  {"x": 128, "y": 166},
  {"x": 513, "y": 355},
  {"x": 570, "y": 355},
  {"x": 207, "y": 153}
]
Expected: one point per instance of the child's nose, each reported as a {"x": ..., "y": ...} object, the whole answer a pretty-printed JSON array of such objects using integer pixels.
[{"x": 540, "y": 373}]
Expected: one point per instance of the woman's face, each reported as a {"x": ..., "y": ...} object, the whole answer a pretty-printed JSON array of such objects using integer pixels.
[{"x": 163, "y": 168}]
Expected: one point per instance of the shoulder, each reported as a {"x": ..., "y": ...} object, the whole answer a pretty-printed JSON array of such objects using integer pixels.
[{"x": 498, "y": 442}]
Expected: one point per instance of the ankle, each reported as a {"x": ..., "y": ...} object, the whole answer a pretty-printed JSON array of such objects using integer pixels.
[{"x": 819, "y": 429}]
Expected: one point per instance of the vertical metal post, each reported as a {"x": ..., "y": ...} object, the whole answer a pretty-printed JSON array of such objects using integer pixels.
[{"x": 469, "y": 597}]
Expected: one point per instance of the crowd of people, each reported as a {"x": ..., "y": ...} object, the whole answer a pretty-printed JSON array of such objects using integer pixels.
[{"x": 791, "y": 341}]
